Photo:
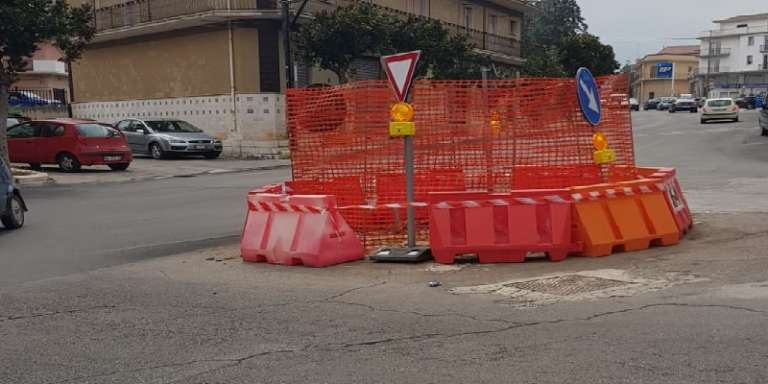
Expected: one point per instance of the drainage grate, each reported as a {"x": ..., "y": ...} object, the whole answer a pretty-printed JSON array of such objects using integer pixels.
[{"x": 567, "y": 285}]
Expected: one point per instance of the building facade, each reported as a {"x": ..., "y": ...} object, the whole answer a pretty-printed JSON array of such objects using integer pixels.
[
  {"x": 219, "y": 63},
  {"x": 734, "y": 57},
  {"x": 665, "y": 73},
  {"x": 45, "y": 70}
]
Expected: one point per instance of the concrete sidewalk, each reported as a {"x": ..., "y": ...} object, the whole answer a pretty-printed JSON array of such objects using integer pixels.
[
  {"x": 144, "y": 168},
  {"x": 694, "y": 313}
]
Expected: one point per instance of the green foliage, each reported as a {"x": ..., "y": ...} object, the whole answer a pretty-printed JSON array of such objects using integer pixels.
[
  {"x": 335, "y": 39},
  {"x": 367, "y": 31},
  {"x": 544, "y": 62},
  {"x": 585, "y": 50},
  {"x": 26, "y": 23},
  {"x": 443, "y": 55},
  {"x": 556, "y": 42},
  {"x": 555, "y": 21}
]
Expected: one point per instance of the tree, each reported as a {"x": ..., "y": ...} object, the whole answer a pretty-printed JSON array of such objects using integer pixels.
[
  {"x": 545, "y": 62},
  {"x": 552, "y": 37},
  {"x": 335, "y": 39},
  {"x": 554, "y": 21},
  {"x": 586, "y": 50},
  {"x": 26, "y": 23},
  {"x": 443, "y": 55},
  {"x": 368, "y": 31}
]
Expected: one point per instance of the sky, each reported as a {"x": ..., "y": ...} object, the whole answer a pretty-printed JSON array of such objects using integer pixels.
[{"x": 636, "y": 28}]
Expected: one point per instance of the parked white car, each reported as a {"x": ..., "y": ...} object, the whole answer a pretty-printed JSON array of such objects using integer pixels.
[{"x": 719, "y": 109}]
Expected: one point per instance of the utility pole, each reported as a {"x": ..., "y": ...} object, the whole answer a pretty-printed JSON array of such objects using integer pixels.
[
  {"x": 287, "y": 43},
  {"x": 709, "y": 65}
]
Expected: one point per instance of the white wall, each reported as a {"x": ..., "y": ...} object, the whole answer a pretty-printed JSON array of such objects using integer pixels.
[
  {"x": 49, "y": 66},
  {"x": 253, "y": 127}
]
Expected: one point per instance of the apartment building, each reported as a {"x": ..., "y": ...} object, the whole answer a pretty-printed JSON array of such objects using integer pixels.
[
  {"x": 219, "y": 63},
  {"x": 44, "y": 70},
  {"x": 665, "y": 73},
  {"x": 734, "y": 57}
]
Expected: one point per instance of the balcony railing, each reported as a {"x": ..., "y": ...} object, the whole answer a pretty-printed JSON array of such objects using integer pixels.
[
  {"x": 506, "y": 45},
  {"x": 716, "y": 52},
  {"x": 133, "y": 12},
  {"x": 734, "y": 32},
  {"x": 714, "y": 70}
]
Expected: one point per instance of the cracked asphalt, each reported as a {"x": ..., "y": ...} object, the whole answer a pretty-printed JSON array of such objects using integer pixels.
[{"x": 204, "y": 317}]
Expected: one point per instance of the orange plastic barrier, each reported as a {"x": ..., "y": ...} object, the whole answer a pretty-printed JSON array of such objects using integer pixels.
[
  {"x": 500, "y": 228},
  {"x": 675, "y": 198},
  {"x": 624, "y": 216},
  {"x": 293, "y": 230}
]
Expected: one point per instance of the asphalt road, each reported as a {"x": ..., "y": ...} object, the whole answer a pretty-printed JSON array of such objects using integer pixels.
[
  {"x": 722, "y": 166},
  {"x": 79, "y": 228},
  {"x": 694, "y": 313}
]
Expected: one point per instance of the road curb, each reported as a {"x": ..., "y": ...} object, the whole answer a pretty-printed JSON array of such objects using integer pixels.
[
  {"x": 26, "y": 177},
  {"x": 53, "y": 181}
]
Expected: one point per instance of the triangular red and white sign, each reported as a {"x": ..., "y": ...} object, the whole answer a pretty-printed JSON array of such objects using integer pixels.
[{"x": 399, "y": 69}]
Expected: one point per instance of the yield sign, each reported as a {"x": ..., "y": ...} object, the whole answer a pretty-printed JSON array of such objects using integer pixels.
[{"x": 399, "y": 69}]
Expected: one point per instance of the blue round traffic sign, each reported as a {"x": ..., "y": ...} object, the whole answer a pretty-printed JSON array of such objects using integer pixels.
[{"x": 589, "y": 96}]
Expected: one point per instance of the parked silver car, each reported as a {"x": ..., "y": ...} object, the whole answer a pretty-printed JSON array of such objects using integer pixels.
[{"x": 161, "y": 138}]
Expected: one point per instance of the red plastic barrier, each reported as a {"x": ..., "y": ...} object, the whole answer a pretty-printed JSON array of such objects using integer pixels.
[
  {"x": 675, "y": 198},
  {"x": 500, "y": 228},
  {"x": 293, "y": 230}
]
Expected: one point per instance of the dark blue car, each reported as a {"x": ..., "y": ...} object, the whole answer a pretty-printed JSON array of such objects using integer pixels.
[{"x": 12, "y": 206}]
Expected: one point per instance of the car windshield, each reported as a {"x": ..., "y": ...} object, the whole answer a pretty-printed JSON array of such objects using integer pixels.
[
  {"x": 719, "y": 103},
  {"x": 96, "y": 130},
  {"x": 172, "y": 126},
  {"x": 11, "y": 121}
]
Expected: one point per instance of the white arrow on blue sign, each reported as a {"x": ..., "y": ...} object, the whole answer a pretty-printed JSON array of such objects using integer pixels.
[{"x": 589, "y": 96}]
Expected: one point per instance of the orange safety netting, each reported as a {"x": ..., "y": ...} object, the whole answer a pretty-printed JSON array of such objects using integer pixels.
[{"x": 494, "y": 136}]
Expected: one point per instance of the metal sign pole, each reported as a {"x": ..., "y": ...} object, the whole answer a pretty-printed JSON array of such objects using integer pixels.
[
  {"x": 400, "y": 69},
  {"x": 409, "y": 193}
]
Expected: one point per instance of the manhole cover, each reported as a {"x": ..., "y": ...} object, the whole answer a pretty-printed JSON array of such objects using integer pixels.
[{"x": 567, "y": 285}]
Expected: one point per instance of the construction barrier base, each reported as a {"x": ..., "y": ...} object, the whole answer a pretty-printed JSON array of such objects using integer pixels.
[
  {"x": 297, "y": 230},
  {"x": 623, "y": 217},
  {"x": 594, "y": 221},
  {"x": 500, "y": 228}
]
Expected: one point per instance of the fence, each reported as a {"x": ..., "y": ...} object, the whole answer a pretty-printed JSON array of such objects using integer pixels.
[
  {"x": 39, "y": 103},
  {"x": 495, "y": 136},
  {"x": 29, "y": 97}
]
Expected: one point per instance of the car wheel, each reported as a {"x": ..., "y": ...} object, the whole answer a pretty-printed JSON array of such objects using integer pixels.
[
  {"x": 694, "y": 111},
  {"x": 119, "y": 167},
  {"x": 156, "y": 151},
  {"x": 764, "y": 132},
  {"x": 68, "y": 162},
  {"x": 211, "y": 156},
  {"x": 14, "y": 215},
  {"x": 703, "y": 121},
  {"x": 736, "y": 120},
  {"x": 35, "y": 166}
]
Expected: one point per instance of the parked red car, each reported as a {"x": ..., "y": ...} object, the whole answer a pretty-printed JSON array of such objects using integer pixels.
[{"x": 69, "y": 143}]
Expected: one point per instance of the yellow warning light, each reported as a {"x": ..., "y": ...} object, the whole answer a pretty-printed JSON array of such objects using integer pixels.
[
  {"x": 495, "y": 122},
  {"x": 401, "y": 112},
  {"x": 599, "y": 141}
]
